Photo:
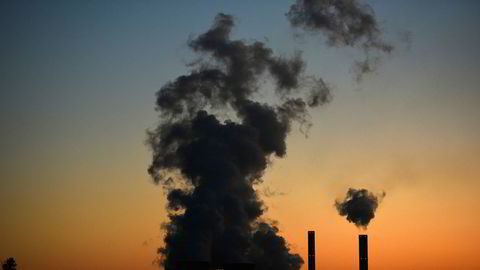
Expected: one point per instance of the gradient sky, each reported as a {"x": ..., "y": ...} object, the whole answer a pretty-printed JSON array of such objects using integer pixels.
[{"x": 77, "y": 86}]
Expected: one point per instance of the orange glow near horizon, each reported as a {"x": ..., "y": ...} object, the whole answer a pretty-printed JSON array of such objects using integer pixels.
[{"x": 424, "y": 222}]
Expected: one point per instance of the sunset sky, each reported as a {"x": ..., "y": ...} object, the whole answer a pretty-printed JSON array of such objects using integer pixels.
[{"x": 77, "y": 94}]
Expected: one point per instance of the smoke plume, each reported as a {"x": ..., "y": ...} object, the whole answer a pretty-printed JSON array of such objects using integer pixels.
[
  {"x": 344, "y": 23},
  {"x": 359, "y": 206},
  {"x": 214, "y": 142}
]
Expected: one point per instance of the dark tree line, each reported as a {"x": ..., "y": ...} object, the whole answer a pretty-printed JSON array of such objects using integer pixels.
[{"x": 9, "y": 264}]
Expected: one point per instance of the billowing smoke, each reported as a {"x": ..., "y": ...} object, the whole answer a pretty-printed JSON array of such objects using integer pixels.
[
  {"x": 359, "y": 206},
  {"x": 214, "y": 142},
  {"x": 344, "y": 23}
]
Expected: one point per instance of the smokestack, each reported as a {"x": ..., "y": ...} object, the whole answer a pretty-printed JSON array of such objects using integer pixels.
[
  {"x": 363, "y": 248},
  {"x": 311, "y": 250}
]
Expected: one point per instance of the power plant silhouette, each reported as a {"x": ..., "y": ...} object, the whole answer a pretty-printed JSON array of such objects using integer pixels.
[
  {"x": 197, "y": 265},
  {"x": 362, "y": 247}
]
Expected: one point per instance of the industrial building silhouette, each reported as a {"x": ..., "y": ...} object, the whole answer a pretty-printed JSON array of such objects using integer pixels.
[
  {"x": 196, "y": 265},
  {"x": 199, "y": 265}
]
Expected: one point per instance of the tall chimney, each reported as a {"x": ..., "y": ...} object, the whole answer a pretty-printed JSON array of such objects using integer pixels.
[
  {"x": 363, "y": 248},
  {"x": 311, "y": 250}
]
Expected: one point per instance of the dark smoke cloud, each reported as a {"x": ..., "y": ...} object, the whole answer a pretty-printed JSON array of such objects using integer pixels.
[
  {"x": 359, "y": 206},
  {"x": 344, "y": 23},
  {"x": 209, "y": 165}
]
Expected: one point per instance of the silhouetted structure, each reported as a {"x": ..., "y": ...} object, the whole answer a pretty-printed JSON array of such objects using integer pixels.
[
  {"x": 190, "y": 265},
  {"x": 238, "y": 266},
  {"x": 363, "y": 249},
  {"x": 311, "y": 250},
  {"x": 199, "y": 265},
  {"x": 9, "y": 264}
]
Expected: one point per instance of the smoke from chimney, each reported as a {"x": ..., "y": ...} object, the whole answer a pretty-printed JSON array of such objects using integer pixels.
[
  {"x": 345, "y": 23},
  {"x": 210, "y": 165},
  {"x": 359, "y": 206},
  {"x": 214, "y": 142}
]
